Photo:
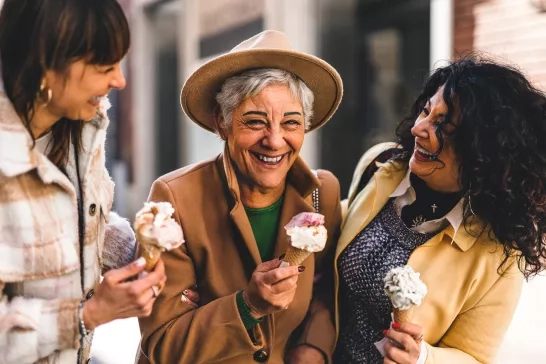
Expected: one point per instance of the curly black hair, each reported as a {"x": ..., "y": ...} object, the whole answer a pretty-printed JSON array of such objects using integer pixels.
[{"x": 500, "y": 142}]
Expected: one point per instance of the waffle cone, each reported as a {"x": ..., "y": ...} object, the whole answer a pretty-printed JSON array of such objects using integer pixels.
[
  {"x": 402, "y": 316},
  {"x": 149, "y": 251},
  {"x": 295, "y": 256}
]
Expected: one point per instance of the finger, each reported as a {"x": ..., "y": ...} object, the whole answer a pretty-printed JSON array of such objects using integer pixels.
[
  {"x": 407, "y": 341},
  {"x": 395, "y": 354},
  {"x": 119, "y": 275},
  {"x": 268, "y": 266},
  {"x": 154, "y": 278},
  {"x": 413, "y": 330},
  {"x": 185, "y": 299},
  {"x": 191, "y": 295},
  {"x": 388, "y": 361},
  {"x": 284, "y": 285},
  {"x": 155, "y": 291},
  {"x": 279, "y": 274},
  {"x": 157, "y": 275},
  {"x": 283, "y": 300}
]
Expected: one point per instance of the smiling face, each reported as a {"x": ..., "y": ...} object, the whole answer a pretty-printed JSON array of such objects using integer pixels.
[
  {"x": 265, "y": 138},
  {"x": 434, "y": 159},
  {"x": 77, "y": 95}
]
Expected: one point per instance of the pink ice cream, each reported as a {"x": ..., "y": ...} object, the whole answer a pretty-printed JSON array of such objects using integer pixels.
[
  {"x": 154, "y": 222},
  {"x": 307, "y": 232}
]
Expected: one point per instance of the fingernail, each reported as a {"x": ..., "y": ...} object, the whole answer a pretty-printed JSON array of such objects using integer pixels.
[
  {"x": 185, "y": 292},
  {"x": 385, "y": 332},
  {"x": 282, "y": 256},
  {"x": 140, "y": 262},
  {"x": 396, "y": 326},
  {"x": 301, "y": 268}
]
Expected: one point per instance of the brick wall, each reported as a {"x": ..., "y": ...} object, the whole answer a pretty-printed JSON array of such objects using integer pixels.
[{"x": 512, "y": 29}]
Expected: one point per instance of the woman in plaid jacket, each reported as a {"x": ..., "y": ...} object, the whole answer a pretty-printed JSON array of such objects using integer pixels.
[{"x": 57, "y": 232}]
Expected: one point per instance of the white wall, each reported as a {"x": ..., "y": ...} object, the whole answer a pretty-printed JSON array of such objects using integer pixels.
[
  {"x": 298, "y": 20},
  {"x": 196, "y": 143},
  {"x": 441, "y": 32}
]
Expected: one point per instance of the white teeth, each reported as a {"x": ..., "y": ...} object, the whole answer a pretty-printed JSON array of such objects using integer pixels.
[
  {"x": 269, "y": 159},
  {"x": 96, "y": 99},
  {"x": 423, "y": 151}
]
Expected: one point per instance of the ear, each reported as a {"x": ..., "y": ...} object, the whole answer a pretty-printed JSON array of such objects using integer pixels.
[{"x": 219, "y": 122}]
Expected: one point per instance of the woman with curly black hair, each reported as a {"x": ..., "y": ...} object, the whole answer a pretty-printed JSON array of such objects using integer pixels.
[{"x": 460, "y": 198}]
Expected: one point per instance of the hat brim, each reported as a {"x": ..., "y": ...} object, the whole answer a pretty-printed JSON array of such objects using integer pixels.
[{"x": 199, "y": 92}]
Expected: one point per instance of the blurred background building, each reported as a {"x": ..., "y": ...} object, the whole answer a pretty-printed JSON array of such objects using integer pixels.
[{"x": 382, "y": 49}]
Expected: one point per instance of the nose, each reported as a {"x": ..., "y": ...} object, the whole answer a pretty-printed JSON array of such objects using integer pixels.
[
  {"x": 118, "y": 81},
  {"x": 274, "y": 140},
  {"x": 420, "y": 128}
]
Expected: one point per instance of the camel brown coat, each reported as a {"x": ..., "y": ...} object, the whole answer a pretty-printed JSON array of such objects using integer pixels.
[{"x": 219, "y": 256}]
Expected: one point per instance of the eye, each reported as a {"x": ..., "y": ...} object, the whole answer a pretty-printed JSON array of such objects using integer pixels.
[
  {"x": 425, "y": 111},
  {"x": 255, "y": 123},
  {"x": 292, "y": 122},
  {"x": 105, "y": 69}
]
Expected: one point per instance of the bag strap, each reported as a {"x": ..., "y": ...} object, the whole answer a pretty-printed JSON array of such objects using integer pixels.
[{"x": 372, "y": 168}]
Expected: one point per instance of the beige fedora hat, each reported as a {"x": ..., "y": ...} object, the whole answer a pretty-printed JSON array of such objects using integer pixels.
[{"x": 269, "y": 49}]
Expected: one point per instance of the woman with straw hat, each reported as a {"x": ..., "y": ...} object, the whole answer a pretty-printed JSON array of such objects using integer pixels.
[{"x": 260, "y": 98}]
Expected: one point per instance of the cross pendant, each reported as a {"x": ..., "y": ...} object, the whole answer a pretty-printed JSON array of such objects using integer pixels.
[{"x": 434, "y": 207}]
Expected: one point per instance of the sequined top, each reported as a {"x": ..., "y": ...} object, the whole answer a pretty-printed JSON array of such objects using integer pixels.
[{"x": 365, "y": 310}]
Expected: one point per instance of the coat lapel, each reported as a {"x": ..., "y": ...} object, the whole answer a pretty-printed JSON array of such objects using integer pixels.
[{"x": 238, "y": 213}]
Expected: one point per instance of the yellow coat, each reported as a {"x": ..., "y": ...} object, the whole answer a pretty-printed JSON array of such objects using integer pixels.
[{"x": 469, "y": 305}]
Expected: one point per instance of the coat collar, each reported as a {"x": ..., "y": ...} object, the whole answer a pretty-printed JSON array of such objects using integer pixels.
[
  {"x": 406, "y": 191},
  {"x": 369, "y": 202},
  {"x": 300, "y": 183},
  {"x": 16, "y": 153}
]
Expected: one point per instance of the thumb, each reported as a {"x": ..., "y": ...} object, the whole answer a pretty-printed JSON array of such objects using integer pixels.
[
  {"x": 124, "y": 273},
  {"x": 269, "y": 265}
]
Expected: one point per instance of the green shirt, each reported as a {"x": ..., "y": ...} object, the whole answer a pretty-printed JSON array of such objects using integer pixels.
[{"x": 265, "y": 223}]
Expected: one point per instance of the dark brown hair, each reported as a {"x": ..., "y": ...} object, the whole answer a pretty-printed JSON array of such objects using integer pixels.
[
  {"x": 500, "y": 144},
  {"x": 41, "y": 35}
]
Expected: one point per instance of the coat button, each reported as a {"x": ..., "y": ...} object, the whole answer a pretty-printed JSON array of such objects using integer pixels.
[
  {"x": 261, "y": 356},
  {"x": 92, "y": 209},
  {"x": 90, "y": 294}
]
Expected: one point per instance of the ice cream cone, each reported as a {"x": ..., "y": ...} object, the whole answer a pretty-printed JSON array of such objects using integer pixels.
[
  {"x": 149, "y": 251},
  {"x": 295, "y": 256},
  {"x": 402, "y": 316}
]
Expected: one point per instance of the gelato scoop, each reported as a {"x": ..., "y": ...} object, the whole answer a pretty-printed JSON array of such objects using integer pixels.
[
  {"x": 156, "y": 231},
  {"x": 405, "y": 289},
  {"x": 306, "y": 235}
]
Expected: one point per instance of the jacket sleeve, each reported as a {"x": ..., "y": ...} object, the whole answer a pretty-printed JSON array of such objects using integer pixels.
[
  {"x": 119, "y": 243},
  {"x": 317, "y": 330},
  {"x": 476, "y": 335},
  {"x": 177, "y": 332},
  {"x": 31, "y": 329}
]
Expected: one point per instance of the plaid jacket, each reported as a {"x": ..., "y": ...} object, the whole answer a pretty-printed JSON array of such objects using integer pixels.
[{"x": 39, "y": 246}]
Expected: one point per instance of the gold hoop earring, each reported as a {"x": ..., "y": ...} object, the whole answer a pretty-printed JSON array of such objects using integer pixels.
[{"x": 43, "y": 88}]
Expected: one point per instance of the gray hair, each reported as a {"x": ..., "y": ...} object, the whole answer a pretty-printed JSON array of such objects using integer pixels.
[{"x": 238, "y": 88}]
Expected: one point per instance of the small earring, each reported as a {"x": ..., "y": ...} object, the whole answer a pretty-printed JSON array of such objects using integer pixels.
[{"x": 43, "y": 87}]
